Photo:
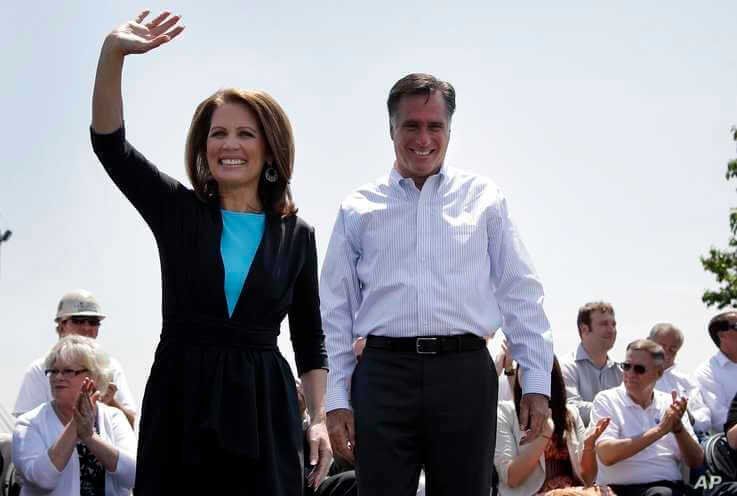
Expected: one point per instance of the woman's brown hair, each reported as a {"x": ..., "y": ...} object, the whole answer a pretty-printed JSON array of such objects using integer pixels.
[{"x": 275, "y": 197}]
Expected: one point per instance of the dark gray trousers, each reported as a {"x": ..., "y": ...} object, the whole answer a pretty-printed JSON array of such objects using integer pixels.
[{"x": 432, "y": 411}]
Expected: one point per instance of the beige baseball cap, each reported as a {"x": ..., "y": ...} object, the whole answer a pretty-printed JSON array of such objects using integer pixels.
[{"x": 78, "y": 302}]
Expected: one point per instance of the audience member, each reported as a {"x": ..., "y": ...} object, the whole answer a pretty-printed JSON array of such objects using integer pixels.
[
  {"x": 563, "y": 456},
  {"x": 75, "y": 444},
  {"x": 717, "y": 378},
  {"x": 589, "y": 369},
  {"x": 670, "y": 338},
  {"x": 78, "y": 313},
  {"x": 646, "y": 440}
]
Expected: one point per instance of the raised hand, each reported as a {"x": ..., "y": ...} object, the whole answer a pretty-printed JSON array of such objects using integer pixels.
[
  {"x": 109, "y": 397},
  {"x": 85, "y": 410},
  {"x": 136, "y": 37},
  {"x": 593, "y": 434},
  {"x": 671, "y": 421}
]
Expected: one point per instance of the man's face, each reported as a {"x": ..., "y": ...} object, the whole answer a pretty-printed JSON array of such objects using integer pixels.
[
  {"x": 80, "y": 326},
  {"x": 728, "y": 338},
  {"x": 640, "y": 373},
  {"x": 601, "y": 334},
  {"x": 420, "y": 131},
  {"x": 671, "y": 343}
]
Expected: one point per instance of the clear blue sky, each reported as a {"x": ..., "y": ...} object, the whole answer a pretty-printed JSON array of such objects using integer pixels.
[{"x": 607, "y": 127}]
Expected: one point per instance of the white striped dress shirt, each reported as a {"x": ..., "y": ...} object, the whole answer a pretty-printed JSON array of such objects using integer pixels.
[{"x": 439, "y": 261}]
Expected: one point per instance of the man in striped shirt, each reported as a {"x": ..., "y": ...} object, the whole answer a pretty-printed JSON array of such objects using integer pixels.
[{"x": 425, "y": 263}]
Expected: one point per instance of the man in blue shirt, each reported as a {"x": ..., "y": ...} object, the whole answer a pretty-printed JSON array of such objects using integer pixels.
[{"x": 425, "y": 263}]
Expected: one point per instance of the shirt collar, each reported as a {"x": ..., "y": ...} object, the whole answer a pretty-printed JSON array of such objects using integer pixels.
[
  {"x": 722, "y": 359},
  {"x": 396, "y": 178},
  {"x": 630, "y": 403},
  {"x": 582, "y": 354}
]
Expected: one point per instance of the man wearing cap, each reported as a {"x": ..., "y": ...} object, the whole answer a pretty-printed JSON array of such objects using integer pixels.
[
  {"x": 425, "y": 263},
  {"x": 78, "y": 313}
]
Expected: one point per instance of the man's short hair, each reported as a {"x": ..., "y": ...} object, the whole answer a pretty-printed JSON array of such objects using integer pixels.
[
  {"x": 420, "y": 84},
  {"x": 665, "y": 327},
  {"x": 584, "y": 313},
  {"x": 718, "y": 323},
  {"x": 654, "y": 349}
]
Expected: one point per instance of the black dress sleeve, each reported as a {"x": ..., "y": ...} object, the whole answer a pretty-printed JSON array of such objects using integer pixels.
[
  {"x": 150, "y": 191},
  {"x": 731, "y": 415},
  {"x": 305, "y": 323}
]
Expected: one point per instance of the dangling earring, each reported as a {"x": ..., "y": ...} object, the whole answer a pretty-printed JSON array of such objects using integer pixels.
[{"x": 270, "y": 174}]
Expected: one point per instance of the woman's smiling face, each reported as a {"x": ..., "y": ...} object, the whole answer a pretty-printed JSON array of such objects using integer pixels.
[{"x": 236, "y": 148}]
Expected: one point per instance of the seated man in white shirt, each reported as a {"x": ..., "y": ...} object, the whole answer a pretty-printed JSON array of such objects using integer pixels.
[
  {"x": 717, "y": 378},
  {"x": 670, "y": 338},
  {"x": 641, "y": 450},
  {"x": 78, "y": 313}
]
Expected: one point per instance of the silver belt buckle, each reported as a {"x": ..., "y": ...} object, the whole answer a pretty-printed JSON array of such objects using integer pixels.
[{"x": 418, "y": 346}]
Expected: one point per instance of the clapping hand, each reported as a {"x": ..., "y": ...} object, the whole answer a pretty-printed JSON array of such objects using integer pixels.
[
  {"x": 671, "y": 421},
  {"x": 85, "y": 410},
  {"x": 593, "y": 434},
  {"x": 109, "y": 397},
  {"x": 136, "y": 37}
]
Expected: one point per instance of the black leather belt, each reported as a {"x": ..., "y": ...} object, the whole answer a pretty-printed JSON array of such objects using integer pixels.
[{"x": 428, "y": 345}]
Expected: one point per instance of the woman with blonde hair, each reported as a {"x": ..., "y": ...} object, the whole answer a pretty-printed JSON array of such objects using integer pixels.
[
  {"x": 220, "y": 411},
  {"x": 75, "y": 444}
]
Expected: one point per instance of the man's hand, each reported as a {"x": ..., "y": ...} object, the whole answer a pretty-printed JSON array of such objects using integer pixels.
[
  {"x": 673, "y": 416},
  {"x": 109, "y": 397},
  {"x": 534, "y": 410},
  {"x": 342, "y": 434}
]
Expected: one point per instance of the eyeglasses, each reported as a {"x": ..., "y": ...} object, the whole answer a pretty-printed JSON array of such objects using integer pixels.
[
  {"x": 636, "y": 368},
  {"x": 93, "y": 321},
  {"x": 65, "y": 373}
]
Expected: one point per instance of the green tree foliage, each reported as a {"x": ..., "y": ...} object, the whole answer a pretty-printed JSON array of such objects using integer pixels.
[{"x": 723, "y": 263}]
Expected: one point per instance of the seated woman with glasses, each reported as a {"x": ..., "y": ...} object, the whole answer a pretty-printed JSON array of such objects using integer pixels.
[
  {"x": 75, "y": 444},
  {"x": 562, "y": 456}
]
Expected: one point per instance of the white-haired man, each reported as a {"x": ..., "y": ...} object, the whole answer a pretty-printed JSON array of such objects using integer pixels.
[{"x": 670, "y": 338}]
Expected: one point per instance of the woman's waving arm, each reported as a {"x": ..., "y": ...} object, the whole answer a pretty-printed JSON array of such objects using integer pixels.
[{"x": 130, "y": 38}]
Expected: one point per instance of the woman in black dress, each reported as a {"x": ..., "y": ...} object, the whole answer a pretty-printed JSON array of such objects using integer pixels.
[{"x": 220, "y": 409}]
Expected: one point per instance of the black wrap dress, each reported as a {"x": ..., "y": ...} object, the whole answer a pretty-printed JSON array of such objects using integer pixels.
[{"x": 220, "y": 409}]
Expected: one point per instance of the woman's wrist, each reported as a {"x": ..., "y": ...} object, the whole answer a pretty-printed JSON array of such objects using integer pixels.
[
  {"x": 317, "y": 419},
  {"x": 111, "y": 49}
]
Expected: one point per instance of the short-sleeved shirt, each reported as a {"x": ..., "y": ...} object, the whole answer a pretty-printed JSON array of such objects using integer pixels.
[{"x": 659, "y": 461}]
